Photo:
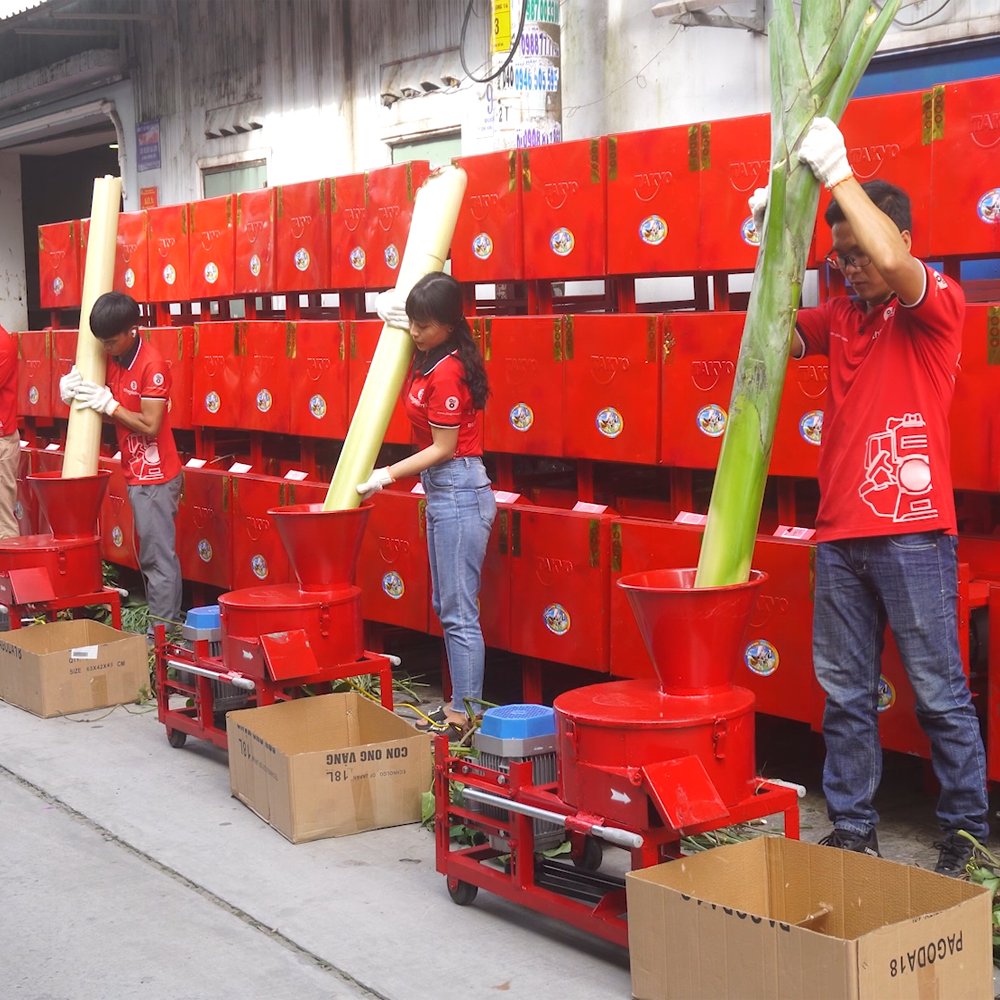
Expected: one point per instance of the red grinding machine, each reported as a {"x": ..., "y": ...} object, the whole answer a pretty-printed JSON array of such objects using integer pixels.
[
  {"x": 638, "y": 764},
  {"x": 42, "y": 574},
  {"x": 264, "y": 644}
]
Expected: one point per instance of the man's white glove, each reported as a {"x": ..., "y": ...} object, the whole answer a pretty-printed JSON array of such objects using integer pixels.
[
  {"x": 375, "y": 482},
  {"x": 391, "y": 308},
  {"x": 91, "y": 396},
  {"x": 68, "y": 385},
  {"x": 824, "y": 151},
  {"x": 758, "y": 206}
]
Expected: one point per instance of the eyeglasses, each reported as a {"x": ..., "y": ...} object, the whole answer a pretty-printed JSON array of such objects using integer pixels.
[{"x": 842, "y": 261}]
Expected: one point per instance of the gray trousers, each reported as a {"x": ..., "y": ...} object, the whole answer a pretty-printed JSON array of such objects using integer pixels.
[{"x": 154, "y": 510}]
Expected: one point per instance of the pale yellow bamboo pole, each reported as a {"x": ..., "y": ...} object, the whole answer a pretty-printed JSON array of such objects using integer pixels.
[
  {"x": 435, "y": 212},
  {"x": 83, "y": 433}
]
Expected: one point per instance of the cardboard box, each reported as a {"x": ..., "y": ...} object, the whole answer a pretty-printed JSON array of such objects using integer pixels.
[
  {"x": 73, "y": 666},
  {"x": 775, "y": 919},
  {"x": 328, "y": 766}
]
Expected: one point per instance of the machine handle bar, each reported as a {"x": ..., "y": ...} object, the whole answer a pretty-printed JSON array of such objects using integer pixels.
[
  {"x": 236, "y": 680},
  {"x": 623, "y": 838}
]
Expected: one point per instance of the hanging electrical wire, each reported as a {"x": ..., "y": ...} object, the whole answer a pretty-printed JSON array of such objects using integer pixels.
[
  {"x": 513, "y": 48},
  {"x": 920, "y": 20}
]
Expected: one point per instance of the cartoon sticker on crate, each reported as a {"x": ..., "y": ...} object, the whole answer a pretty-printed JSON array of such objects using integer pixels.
[
  {"x": 886, "y": 694},
  {"x": 264, "y": 400},
  {"x": 392, "y": 584},
  {"x": 129, "y": 277},
  {"x": 712, "y": 420},
  {"x": 211, "y": 273},
  {"x": 988, "y": 207},
  {"x": 259, "y": 566},
  {"x": 57, "y": 286},
  {"x": 521, "y": 417},
  {"x": 169, "y": 274},
  {"x": 556, "y": 619},
  {"x": 392, "y": 256},
  {"x": 748, "y": 231},
  {"x": 255, "y": 266},
  {"x": 205, "y": 550},
  {"x": 302, "y": 259},
  {"x": 317, "y": 406},
  {"x": 33, "y": 395},
  {"x": 562, "y": 242},
  {"x": 357, "y": 258},
  {"x": 652, "y": 230},
  {"x": 117, "y": 537},
  {"x": 482, "y": 246},
  {"x": 212, "y": 402},
  {"x": 811, "y": 426},
  {"x": 761, "y": 657},
  {"x": 610, "y": 422}
]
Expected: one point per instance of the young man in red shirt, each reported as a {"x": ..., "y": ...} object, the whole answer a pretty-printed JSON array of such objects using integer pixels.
[
  {"x": 886, "y": 530},
  {"x": 135, "y": 398}
]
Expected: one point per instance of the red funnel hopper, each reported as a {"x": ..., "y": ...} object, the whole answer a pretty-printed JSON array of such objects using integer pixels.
[
  {"x": 322, "y": 545},
  {"x": 71, "y": 505},
  {"x": 694, "y": 635}
]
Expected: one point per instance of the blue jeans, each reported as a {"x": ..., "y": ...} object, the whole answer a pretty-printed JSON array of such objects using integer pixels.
[
  {"x": 911, "y": 582},
  {"x": 461, "y": 509}
]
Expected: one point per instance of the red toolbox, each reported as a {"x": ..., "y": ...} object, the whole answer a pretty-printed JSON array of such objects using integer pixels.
[
  {"x": 204, "y": 527},
  {"x": 213, "y": 247},
  {"x": 964, "y": 131},
  {"x": 734, "y": 160},
  {"x": 653, "y": 183},
  {"x": 254, "y": 242},
  {"x": 169, "y": 254},
  {"x": 393, "y": 572},
  {"x": 303, "y": 236},
  {"x": 975, "y": 457},
  {"x": 524, "y": 361},
  {"x": 364, "y": 336},
  {"x": 34, "y": 373},
  {"x": 63, "y": 346},
  {"x": 612, "y": 387},
  {"x": 318, "y": 379},
  {"x": 60, "y": 265},
  {"x": 349, "y": 239},
  {"x": 391, "y": 191},
  {"x": 265, "y": 379},
  {"x": 565, "y": 213},
  {"x": 176, "y": 344},
  {"x": 488, "y": 244},
  {"x": 560, "y": 586},
  {"x": 258, "y": 555},
  {"x": 699, "y": 363},
  {"x": 117, "y": 525},
  {"x": 215, "y": 375}
]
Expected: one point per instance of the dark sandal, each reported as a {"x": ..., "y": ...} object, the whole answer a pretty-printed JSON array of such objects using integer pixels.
[{"x": 434, "y": 721}]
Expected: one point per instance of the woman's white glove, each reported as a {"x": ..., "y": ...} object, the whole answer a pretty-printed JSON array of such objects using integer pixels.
[
  {"x": 68, "y": 385},
  {"x": 391, "y": 308},
  {"x": 375, "y": 482},
  {"x": 91, "y": 396},
  {"x": 824, "y": 151},
  {"x": 758, "y": 206}
]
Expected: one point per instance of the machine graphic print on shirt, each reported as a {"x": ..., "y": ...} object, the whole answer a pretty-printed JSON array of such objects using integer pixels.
[
  {"x": 143, "y": 456},
  {"x": 897, "y": 481}
]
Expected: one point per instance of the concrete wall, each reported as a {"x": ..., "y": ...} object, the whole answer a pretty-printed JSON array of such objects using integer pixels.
[{"x": 13, "y": 296}]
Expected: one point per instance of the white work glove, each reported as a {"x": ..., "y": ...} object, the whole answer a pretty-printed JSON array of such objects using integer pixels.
[
  {"x": 824, "y": 151},
  {"x": 391, "y": 308},
  {"x": 68, "y": 385},
  {"x": 91, "y": 396},
  {"x": 758, "y": 206},
  {"x": 375, "y": 482}
]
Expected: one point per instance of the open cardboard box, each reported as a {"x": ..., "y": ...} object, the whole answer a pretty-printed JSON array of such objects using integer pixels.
[{"x": 775, "y": 919}]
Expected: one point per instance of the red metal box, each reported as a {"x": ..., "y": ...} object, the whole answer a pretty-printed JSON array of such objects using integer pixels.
[
  {"x": 565, "y": 212},
  {"x": 699, "y": 363},
  {"x": 612, "y": 387},
  {"x": 265, "y": 378},
  {"x": 254, "y": 238},
  {"x": 303, "y": 236},
  {"x": 349, "y": 239},
  {"x": 63, "y": 347},
  {"x": 257, "y": 552},
  {"x": 215, "y": 375},
  {"x": 391, "y": 191},
  {"x": 393, "y": 572},
  {"x": 176, "y": 344},
  {"x": 131, "y": 256},
  {"x": 60, "y": 265},
  {"x": 34, "y": 373},
  {"x": 524, "y": 361},
  {"x": 318, "y": 379},
  {"x": 169, "y": 254},
  {"x": 488, "y": 243},
  {"x": 213, "y": 247},
  {"x": 653, "y": 185},
  {"x": 26, "y": 503},
  {"x": 204, "y": 527},
  {"x": 560, "y": 586},
  {"x": 734, "y": 159},
  {"x": 799, "y": 428},
  {"x": 964, "y": 123},
  {"x": 116, "y": 522},
  {"x": 364, "y": 336},
  {"x": 975, "y": 410}
]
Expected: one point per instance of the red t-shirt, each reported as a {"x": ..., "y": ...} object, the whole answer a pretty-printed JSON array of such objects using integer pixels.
[
  {"x": 8, "y": 383},
  {"x": 144, "y": 459},
  {"x": 439, "y": 397},
  {"x": 885, "y": 457}
]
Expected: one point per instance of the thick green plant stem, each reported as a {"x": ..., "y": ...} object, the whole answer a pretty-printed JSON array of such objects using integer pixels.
[{"x": 814, "y": 70}]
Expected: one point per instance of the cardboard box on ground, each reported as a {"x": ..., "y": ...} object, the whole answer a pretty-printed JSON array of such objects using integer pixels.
[
  {"x": 328, "y": 766},
  {"x": 56, "y": 668},
  {"x": 775, "y": 919}
]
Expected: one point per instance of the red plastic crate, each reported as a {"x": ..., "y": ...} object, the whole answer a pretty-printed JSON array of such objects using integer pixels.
[
  {"x": 216, "y": 371},
  {"x": 318, "y": 379},
  {"x": 117, "y": 524},
  {"x": 132, "y": 256},
  {"x": 265, "y": 382},
  {"x": 26, "y": 503},
  {"x": 176, "y": 344},
  {"x": 799, "y": 428},
  {"x": 391, "y": 191},
  {"x": 169, "y": 253},
  {"x": 364, "y": 336},
  {"x": 975, "y": 457},
  {"x": 350, "y": 245},
  {"x": 204, "y": 527},
  {"x": 254, "y": 272},
  {"x": 60, "y": 265},
  {"x": 213, "y": 247},
  {"x": 258, "y": 555},
  {"x": 303, "y": 236},
  {"x": 63, "y": 347},
  {"x": 34, "y": 373}
]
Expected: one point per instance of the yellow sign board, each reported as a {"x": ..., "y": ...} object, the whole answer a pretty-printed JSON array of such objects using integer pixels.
[{"x": 500, "y": 35}]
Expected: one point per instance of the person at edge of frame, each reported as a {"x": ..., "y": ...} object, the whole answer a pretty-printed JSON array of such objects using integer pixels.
[
  {"x": 135, "y": 399},
  {"x": 444, "y": 390},
  {"x": 10, "y": 439},
  {"x": 886, "y": 529}
]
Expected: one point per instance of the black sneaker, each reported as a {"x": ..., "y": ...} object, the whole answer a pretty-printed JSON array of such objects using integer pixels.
[
  {"x": 847, "y": 840},
  {"x": 956, "y": 853}
]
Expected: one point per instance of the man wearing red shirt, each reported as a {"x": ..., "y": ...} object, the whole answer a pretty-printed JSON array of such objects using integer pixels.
[
  {"x": 886, "y": 532},
  {"x": 10, "y": 440},
  {"x": 135, "y": 398}
]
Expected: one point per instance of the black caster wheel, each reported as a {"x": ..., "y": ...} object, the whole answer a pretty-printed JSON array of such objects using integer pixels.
[
  {"x": 593, "y": 855},
  {"x": 176, "y": 738},
  {"x": 462, "y": 893}
]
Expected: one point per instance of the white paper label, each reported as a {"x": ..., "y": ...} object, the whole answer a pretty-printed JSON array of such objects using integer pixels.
[
  {"x": 194, "y": 463},
  {"x": 84, "y": 653},
  {"x": 582, "y": 507},
  {"x": 418, "y": 489},
  {"x": 502, "y": 496},
  {"x": 793, "y": 531},
  {"x": 52, "y": 447},
  {"x": 239, "y": 467},
  {"x": 296, "y": 475},
  {"x": 689, "y": 517}
]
